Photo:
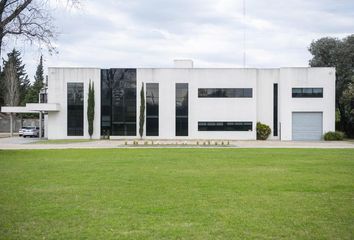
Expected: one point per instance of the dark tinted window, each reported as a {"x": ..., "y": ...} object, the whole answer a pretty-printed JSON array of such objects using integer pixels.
[
  {"x": 75, "y": 101},
  {"x": 106, "y": 102},
  {"x": 152, "y": 109},
  {"x": 225, "y": 92},
  {"x": 224, "y": 126},
  {"x": 118, "y": 102},
  {"x": 307, "y": 92},
  {"x": 275, "y": 109},
  {"x": 181, "y": 109}
]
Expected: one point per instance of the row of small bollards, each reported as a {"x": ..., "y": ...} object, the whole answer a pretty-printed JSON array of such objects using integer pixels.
[{"x": 172, "y": 143}]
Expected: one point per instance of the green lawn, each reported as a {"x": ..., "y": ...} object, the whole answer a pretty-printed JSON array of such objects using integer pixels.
[{"x": 177, "y": 194}]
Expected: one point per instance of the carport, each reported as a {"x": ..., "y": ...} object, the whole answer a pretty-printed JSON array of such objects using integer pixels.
[{"x": 40, "y": 108}]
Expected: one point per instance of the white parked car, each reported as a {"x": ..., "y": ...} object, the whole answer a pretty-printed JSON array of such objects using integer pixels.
[
  {"x": 31, "y": 132},
  {"x": 20, "y": 131}
]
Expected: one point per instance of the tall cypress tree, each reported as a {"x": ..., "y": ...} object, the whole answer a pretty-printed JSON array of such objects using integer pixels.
[
  {"x": 33, "y": 93},
  {"x": 142, "y": 111},
  {"x": 91, "y": 108}
]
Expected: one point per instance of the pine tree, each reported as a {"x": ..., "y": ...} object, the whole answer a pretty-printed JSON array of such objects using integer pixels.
[
  {"x": 33, "y": 93},
  {"x": 23, "y": 82},
  {"x": 91, "y": 108}
]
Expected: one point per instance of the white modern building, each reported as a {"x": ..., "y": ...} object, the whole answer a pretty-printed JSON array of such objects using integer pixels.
[{"x": 191, "y": 103}]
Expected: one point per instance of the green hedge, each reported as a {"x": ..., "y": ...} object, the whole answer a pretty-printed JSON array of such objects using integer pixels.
[
  {"x": 333, "y": 136},
  {"x": 263, "y": 131}
]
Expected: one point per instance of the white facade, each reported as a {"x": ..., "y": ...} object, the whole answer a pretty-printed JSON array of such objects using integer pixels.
[
  {"x": 58, "y": 78},
  {"x": 258, "y": 108}
]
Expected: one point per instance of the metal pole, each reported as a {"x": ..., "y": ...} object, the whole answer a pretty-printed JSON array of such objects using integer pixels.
[
  {"x": 40, "y": 125},
  {"x": 40, "y": 117},
  {"x": 244, "y": 33},
  {"x": 11, "y": 127}
]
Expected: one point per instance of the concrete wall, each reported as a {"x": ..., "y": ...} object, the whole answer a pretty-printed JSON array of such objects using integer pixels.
[
  {"x": 306, "y": 77},
  {"x": 17, "y": 123},
  {"x": 57, "y": 93},
  {"x": 257, "y": 108},
  {"x": 265, "y": 81},
  {"x": 203, "y": 109}
]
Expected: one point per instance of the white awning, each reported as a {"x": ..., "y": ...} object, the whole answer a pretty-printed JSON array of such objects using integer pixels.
[
  {"x": 15, "y": 110},
  {"x": 46, "y": 107},
  {"x": 32, "y": 108}
]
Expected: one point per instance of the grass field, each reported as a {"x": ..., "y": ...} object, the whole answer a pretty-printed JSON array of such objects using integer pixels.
[{"x": 177, "y": 194}]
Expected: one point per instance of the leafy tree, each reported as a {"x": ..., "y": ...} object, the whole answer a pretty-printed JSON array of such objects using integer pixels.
[
  {"x": 91, "y": 108},
  {"x": 338, "y": 53},
  {"x": 347, "y": 101},
  {"x": 142, "y": 111},
  {"x": 33, "y": 92}
]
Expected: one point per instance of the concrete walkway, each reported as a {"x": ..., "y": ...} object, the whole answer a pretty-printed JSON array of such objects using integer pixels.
[{"x": 28, "y": 143}]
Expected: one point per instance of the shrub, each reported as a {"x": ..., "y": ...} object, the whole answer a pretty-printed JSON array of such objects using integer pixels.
[
  {"x": 263, "y": 131},
  {"x": 333, "y": 136},
  {"x": 91, "y": 108}
]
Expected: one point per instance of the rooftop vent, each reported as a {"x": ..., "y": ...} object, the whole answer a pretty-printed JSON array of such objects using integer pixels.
[{"x": 183, "y": 63}]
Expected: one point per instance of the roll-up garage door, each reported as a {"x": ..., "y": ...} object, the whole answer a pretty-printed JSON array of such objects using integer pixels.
[{"x": 307, "y": 126}]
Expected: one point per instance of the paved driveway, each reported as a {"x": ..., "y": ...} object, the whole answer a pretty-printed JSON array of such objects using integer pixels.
[
  {"x": 17, "y": 140},
  {"x": 33, "y": 143}
]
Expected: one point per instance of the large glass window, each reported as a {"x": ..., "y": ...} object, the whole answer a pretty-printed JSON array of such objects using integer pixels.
[
  {"x": 181, "y": 109},
  {"x": 224, "y": 126},
  {"x": 225, "y": 92},
  {"x": 118, "y": 99},
  {"x": 152, "y": 109},
  {"x": 75, "y": 113},
  {"x": 106, "y": 102},
  {"x": 275, "y": 109},
  {"x": 307, "y": 92}
]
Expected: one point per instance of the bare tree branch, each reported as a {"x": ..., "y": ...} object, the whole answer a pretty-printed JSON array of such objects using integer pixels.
[
  {"x": 29, "y": 20},
  {"x": 15, "y": 13}
]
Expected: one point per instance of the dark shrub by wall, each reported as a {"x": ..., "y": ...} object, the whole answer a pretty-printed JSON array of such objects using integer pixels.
[
  {"x": 263, "y": 131},
  {"x": 333, "y": 136}
]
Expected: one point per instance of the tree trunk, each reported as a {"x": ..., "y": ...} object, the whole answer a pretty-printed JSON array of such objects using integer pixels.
[
  {"x": 1, "y": 38},
  {"x": 11, "y": 125}
]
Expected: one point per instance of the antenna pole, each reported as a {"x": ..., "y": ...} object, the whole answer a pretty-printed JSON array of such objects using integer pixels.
[{"x": 244, "y": 33}]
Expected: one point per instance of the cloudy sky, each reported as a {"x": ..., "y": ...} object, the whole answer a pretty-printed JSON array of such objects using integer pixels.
[{"x": 151, "y": 33}]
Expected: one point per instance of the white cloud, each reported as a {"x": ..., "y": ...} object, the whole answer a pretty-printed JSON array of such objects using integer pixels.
[{"x": 140, "y": 33}]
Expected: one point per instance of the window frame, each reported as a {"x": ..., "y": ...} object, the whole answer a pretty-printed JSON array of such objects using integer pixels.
[
  {"x": 75, "y": 112},
  {"x": 182, "y": 109},
  {"x": 306, "y": 92},
  {"x": 152, "y": 116},
  {"x": 225, "y": 92},
  {"x": 225, "y": 126}
]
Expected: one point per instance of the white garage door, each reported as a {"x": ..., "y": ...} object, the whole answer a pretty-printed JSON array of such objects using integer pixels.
[{"x": 307, "y": 126}]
